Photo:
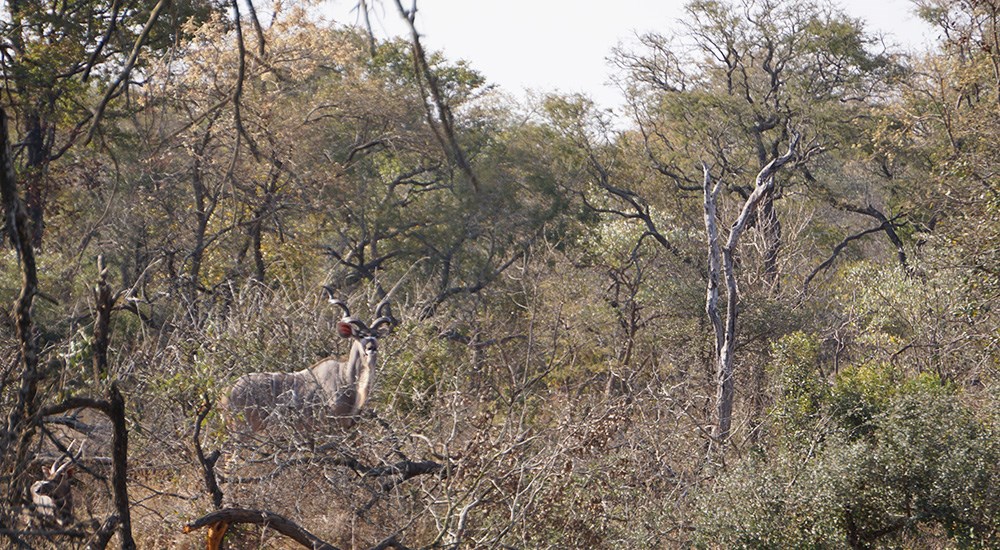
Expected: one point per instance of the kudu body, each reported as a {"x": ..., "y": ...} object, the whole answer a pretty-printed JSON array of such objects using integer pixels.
[{"x": 329, "y": 391}]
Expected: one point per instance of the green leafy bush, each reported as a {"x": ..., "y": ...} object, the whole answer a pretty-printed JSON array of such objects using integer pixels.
[{"x": 891, "y": 460}]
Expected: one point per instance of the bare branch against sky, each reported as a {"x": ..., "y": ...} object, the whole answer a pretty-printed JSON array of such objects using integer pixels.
[{"x": 564, "y": 45}]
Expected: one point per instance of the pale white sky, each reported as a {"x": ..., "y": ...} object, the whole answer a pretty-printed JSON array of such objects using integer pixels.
[{"x": 563, "y": 45}]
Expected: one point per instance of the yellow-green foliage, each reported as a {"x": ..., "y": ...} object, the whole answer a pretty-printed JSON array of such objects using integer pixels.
[
  {"x": 883, "y": 300},
  {"x": 411, "y": 378},
  {"x": 914, "y": 459},
  {"x": 859, "y": 393},
  {"x": 79, "y": 353},
  {"x": 187, "y": 388},
  {"x": 801, "y": 390},
  {"x": 863, "y": 392}
]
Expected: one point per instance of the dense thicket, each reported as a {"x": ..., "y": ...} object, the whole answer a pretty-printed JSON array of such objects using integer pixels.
[{"x": 633, "y": 332}]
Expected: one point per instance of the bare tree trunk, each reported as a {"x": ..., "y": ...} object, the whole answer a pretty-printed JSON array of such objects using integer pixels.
[
  {"x": 34, "y": 193},
  {"x": 725, "y": 382},
  {"x": 119, "y": 473},
  {"x": 104, "y": 302},
  {"x": 725, "y": 385},
  {"x": 770, "y": 226},
  {"x": 115, "y": 409},
  {"x": 259, "y": 268},
  {"x": 711, "y": 228}
]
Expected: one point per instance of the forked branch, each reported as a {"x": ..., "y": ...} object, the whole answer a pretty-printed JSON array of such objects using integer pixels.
[{"x": 886, "y": 225}]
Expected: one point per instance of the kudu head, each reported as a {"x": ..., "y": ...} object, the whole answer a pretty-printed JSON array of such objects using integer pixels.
[
  {"x": 53, "y": 496},
  {"x": 365, "y": 338}
]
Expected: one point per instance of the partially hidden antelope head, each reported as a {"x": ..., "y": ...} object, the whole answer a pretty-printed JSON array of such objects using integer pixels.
[
  {"x": 330, "y": 390},
  {"x": 53, "y": 496}
]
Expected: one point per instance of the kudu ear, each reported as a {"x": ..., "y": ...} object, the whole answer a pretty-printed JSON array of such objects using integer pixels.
[{"x": 345, "y": 329}]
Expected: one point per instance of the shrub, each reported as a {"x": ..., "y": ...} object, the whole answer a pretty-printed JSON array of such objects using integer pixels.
[{"x": 890, "y": 460}]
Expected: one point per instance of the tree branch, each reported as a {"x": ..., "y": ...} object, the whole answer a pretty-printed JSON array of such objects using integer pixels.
[
  {"x": 271, "y": 520},
  {"x": 888, "y": 226},
  {"x": 207, "y": 463},
  {"x": 833, "y": 256},
  {"x": 115, "y": 8},
  {"x": 446, "y": 134},
  {"x": 257, "y": 28},
  {"x": 112, "y": 90}
]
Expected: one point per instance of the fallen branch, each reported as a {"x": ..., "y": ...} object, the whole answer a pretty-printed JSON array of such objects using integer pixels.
[
  {"x": 220, "y": 520},
  {"x": 46, "y": 533},
  {"x": 402, "y": 470},
  {"x": 406, "y": 469},
  {"x": 72, "y": 423},
  {"x": 271, "y": 520}
]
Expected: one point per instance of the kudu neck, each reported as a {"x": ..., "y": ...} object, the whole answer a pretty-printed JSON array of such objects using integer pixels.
[
  {"x": 360, "y": 365},
  {"x": 358, "y": 358}
]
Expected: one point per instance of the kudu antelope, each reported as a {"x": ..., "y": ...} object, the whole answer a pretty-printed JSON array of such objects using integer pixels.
[
  {"x": 53, "y": 496},
  {"x": 330, "y": 390}
]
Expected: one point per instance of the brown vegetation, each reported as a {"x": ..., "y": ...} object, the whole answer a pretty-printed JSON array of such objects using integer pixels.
[{"x": 764, "y": 314}]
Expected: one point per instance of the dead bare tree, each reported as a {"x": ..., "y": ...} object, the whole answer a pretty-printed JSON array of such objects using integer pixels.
[{"x": 725, "y": 334}]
